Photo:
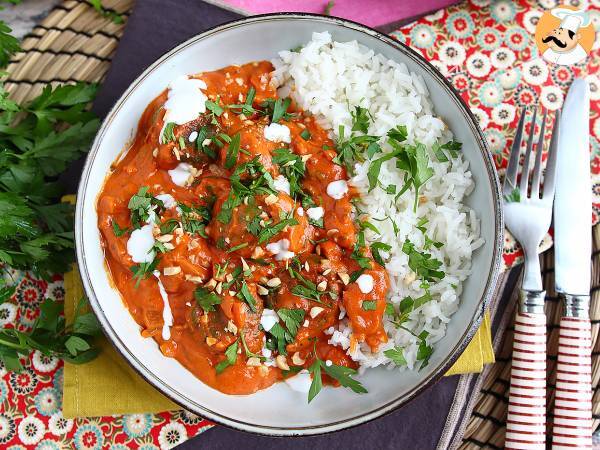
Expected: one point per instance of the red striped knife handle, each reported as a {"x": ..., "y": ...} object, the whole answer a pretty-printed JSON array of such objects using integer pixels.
[
  {"x": 526, "y": 421},
  {"x": 573, "y": 400}
]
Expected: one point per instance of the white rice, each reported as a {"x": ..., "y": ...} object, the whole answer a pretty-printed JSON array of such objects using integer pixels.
[{"x": 329, "y": 79}]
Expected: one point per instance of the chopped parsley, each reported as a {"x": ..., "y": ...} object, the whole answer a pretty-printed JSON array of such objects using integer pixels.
[
  {"x": 422, "y": 263},
  {"x": 245, "y": 295},
  {"x": 369, "y": 305},
  {"x": 118, "y": 230},
  {"x": 143, "y": 270},
  {"x": 206, "y": 299},
  {"x": 396, "y": 354},
  {"x": 305, "y": 134},
  {"x": 353, "y": 149},
  {"x": 277, "y": 109},
  {"x": 168, "y": 135},
  {"x": 195, "y": 218},
  {"x": 271, "y": 231},
  {"x": 230, "y": 358},
  {"x": 452, "y": 147},
  {"x": 376, "y": 247},
  {"x": 292, "y": 167},
  {"x": 341, "y": 374},
  {"x": 257, "y": 182},
  {"x": 361, "y": 117},
  {"x": 232, "y": 151},
  {"x": 141, "y": 204},
  {"x": 246, "y": 108},
  {"x": 280, "y": 336},
  {"x": 214, "y": 107}
]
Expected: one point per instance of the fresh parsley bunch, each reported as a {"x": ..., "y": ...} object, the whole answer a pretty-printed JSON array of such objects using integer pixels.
[
  {"x": 50, "y": 335},
  {"x": 37, "y": 141}
]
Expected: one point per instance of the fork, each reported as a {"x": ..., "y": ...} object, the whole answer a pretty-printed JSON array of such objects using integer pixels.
[{"x": 528, "y": 218}]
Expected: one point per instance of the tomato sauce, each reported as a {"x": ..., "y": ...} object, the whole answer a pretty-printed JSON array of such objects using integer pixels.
[{"x": 209, "y": 259}]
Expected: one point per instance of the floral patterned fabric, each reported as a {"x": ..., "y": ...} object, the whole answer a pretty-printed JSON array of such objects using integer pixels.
[
  {"x": 484, "y": 48},
  {"x": 30, "y": 401}
]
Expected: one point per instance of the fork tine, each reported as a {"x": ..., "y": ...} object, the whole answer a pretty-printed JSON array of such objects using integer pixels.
[
  {"x": 537, "y": 168},
  {"x": 549, "y": 178},
  {"x": 510, "y": 176},
  {"x": 527, "y": 161}
]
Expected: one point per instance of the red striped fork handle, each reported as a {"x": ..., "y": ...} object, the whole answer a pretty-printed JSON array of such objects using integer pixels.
[
  {"x": 526, "y": 420},
  {"x": 573, "y": 401}
]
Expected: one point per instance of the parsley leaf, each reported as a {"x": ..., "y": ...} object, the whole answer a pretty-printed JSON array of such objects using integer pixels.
[
  {"x": 317, "y": 383},
  {"x": 118, "y": 230},
  {"x": 396, "y": 354},
  {"x": 168, "y": 134},
  {"x": 361, "y": 118},
  {"x": 206, "y": 299},
  {"x": 369, "y": 305},
  {"x": 271, "y": 231},
  {"x": 230, "y": 358},
  {"x": 277, "y": 109},
  {"x": 143, "y": 270},
  {"x": 422, "y": 263},
  {"x": 292, "y": 319},
  {"x": 341, "y": 374},
  {"x": 245, "y": 295},
  {"x": 39, "y": 139},
  {"x": 376, "y": 247},
  {"x": 232, "y": 151},
  {"x": 214, "y": 107},
  {"x": 51, "y": 335}
]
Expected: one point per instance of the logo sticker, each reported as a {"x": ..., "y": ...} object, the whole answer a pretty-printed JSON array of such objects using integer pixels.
[{"x": 564, "y": 35}]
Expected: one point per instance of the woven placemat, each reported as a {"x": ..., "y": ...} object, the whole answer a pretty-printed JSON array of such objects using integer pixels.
[
  {"x": 488, "y": 421},
  {"x": 75, "y": 43}
]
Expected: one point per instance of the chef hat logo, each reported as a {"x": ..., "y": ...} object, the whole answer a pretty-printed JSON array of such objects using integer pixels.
[
  {"x": 564, "y": 35},
  {"x": 571, "y": 20}
]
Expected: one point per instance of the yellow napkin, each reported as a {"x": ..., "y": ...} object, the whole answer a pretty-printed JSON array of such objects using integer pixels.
[{"x": 108, "y": 385}]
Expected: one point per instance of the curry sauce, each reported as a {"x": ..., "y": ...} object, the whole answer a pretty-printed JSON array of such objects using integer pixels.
[{"x": 254, "y": 250}]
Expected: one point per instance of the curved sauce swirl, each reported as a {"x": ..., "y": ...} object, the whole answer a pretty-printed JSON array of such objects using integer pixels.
[{"x": 201, "y": 255}]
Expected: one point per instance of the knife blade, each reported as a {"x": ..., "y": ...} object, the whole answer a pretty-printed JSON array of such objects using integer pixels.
[{"x": 573, "y": 197}]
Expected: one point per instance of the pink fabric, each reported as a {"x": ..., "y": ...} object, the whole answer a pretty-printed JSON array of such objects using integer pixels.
[{"x": 371, "y": 12}]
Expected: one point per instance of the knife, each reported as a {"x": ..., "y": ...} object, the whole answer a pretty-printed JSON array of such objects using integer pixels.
[{"x": 573, "y": 246}]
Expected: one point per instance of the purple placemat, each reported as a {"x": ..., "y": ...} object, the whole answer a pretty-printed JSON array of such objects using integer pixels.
[{"x": 156, "y": 26}]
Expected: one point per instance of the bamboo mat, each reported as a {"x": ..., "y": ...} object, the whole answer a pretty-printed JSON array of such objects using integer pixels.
[{"x": 75, "y": 43}]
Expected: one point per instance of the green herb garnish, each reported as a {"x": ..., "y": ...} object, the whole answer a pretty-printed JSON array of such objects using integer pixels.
[
  {"x": 232, "y": 152},
  {"x": 206, "y": 299},
  {"x": 369, "y": 305},
  {"x": 340, "y": 373},
  {"x": 230, "y": 358}
]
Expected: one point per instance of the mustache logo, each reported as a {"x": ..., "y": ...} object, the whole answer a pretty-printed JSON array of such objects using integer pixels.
[{"x": 554, "y": 39}]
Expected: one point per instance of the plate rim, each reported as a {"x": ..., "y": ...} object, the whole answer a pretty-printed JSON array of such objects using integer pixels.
[{"x": 397, "y": 402}]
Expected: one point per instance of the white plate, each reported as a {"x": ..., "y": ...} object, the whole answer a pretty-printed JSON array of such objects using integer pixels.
[{"x": 279, "y": 410}]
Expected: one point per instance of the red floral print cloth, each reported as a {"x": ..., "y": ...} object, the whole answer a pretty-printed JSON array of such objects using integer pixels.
[{"x": 484, "y": 48}]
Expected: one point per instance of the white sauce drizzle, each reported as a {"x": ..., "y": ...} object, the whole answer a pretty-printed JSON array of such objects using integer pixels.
[
  {"x": 365, "y": 283},
  {"x": 268, "y": 319},
  {"x": 185, "y": 101},
  {"x": 315, "y": 213},
  {"x": 276, "y": 132},
  {"x": 167, "y": 200},
  {"x": 140, "y": 243},
  {"x": 337, "y": 189},
  {"x": 180, "y": 174},
  {"x": 281, "y": 249},
  {"x": 167, "y": 314},
  {"x": 282, "y": 184}
]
